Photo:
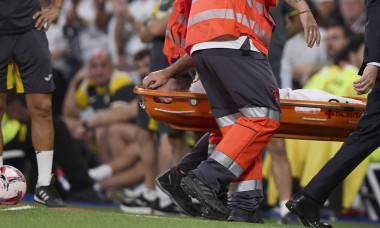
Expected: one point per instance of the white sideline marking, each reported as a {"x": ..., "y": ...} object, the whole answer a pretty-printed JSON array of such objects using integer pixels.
[
  {"x": 152, "y": 216},
  {"x": 17, "y": 208}
]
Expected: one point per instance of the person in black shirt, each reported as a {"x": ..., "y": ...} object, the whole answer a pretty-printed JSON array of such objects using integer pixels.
[{"x": 25, "y": 64}]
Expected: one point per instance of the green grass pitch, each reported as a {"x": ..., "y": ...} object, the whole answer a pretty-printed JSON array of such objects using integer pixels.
[{"x": 35, "y": 215}]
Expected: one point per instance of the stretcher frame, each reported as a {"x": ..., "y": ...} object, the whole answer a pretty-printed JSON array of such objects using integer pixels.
[{"x": 190, "y": 111}]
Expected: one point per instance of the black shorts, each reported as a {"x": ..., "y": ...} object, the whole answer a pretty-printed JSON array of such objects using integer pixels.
[
  {"x": 146, "y": 122},
  {"x": 25, "y": 62}
]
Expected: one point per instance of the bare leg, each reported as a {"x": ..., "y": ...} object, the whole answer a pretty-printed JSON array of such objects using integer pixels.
[
  {"x": 148, "y": 157},
  {"x": 280, "y": 168},
  {"x": 39, "y": 106},
  {"x": 126, "y": 178},
  {"x": 180, "y": 148},
  {"x": 123, "y": 146},
  {"x": 165, "y": 157},
  {"x": 101, "y": 134},
  {"x": 129, "y": 157}
]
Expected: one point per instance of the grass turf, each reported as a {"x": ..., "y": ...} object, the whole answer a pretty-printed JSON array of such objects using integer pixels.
[{"x": 88, "y": 216}]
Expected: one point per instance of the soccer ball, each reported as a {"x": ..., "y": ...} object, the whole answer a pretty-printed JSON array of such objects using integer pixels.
[{"x": 12, "y": 185}]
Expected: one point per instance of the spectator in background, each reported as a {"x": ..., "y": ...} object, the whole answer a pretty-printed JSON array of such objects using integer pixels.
[
  {"x": 353, "y": 14},
  {"x": 125, "y": 171},
  {"x": 324, "y": 7},
  {"x": 172, "y": 143},
  {"x": 337, "y": 38},
  {"x": 107, "y": 95}
]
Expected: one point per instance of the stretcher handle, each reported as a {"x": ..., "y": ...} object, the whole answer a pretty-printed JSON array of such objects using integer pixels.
[
  {"x": 325, "y": 105},
  {"x": 179, "y": 95},
  {"x": 295, "y": 103}
]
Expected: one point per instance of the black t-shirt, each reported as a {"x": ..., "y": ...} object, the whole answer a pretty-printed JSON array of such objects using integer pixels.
[{"x": 16, "y": 15}]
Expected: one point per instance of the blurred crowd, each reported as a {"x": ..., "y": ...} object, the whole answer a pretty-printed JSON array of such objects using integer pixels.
[{"x": 101, "y": 49}]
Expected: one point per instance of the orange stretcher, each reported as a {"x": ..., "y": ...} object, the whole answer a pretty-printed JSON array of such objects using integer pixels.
[{"x": 191, "y": 111}]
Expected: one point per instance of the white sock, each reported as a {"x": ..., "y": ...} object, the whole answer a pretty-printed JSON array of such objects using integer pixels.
[
  {"x": 164, "y": 199},
  {"x": 96, "y": 187},
  {"x": 101, "y": 172},
  {"x": 1, "y": 161},
  {"x": 283, "y": 209},
  {"x": 150, "y": 194},
  {"x": 45, "y": 164}
]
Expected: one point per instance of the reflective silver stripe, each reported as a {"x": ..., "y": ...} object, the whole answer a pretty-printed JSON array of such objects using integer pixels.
[
  {"x": 259, "y": 7},
  {"x": 169, "y": 34},
  {"x": 250, "y": 3},
  {"x": 181, "y": 19},
  {"x": 176, "y": 39},
  {"x": 212, "y": 14},
  {"x": 262, "y": 34},
  {"x": 249, "y": 185},
  {"x": 229, "y": 120},
  {"x": 261, "y": 112},
  {"x": 248, "y": 22},
  {"x": 211, "y": 149},
  {"x": 227, "y": 162},
  {"x": 230, "y": 14},
  {"x": 268, "y": 15}
]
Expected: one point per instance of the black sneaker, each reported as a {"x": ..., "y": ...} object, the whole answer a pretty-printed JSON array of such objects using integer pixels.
[
  {"x": 48, "y": 195},
  {"x": 212, "y": 206},
  {"x": 238, "y": 215},
  {"x": 170, "y": 209},
  {"x": 289, "y": 219},
  {"x": 139, "y": 205},
  {"x": 170, "y": 184}
]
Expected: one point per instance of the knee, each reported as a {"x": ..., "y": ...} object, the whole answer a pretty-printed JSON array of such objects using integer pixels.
[
  {"x": 41, "y": 109},
  {"x": 277, "y": 150},
  {"x": 143, "y": 135}
]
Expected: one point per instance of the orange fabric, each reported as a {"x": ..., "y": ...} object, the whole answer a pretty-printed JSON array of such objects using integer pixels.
[
  {"x": 176, "y": 29},
  {"x": 215, "y": 138},
  {"x": 206, "y": 30},
  {"x": 254, "y": 172},
  {"x": 245, "y": 140}
]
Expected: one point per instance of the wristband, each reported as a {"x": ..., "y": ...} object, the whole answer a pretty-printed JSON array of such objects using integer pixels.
[{"x": 305, "y": 11}]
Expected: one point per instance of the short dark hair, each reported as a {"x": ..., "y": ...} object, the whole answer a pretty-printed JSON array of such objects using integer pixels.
[
  {"x": 346, "y": 30},
  {"x": 141, "y": 54},
  {"x": 184, "y": 81},
  {"x": 353, "y": 46}
]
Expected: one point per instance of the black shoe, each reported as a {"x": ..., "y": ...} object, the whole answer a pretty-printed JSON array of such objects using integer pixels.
[
  {"x": 139, "y": 205},
  {"x": 212, "y": 206},
  {"x": 306, "y": 209},
  {"x": 289, "y": 219},
  {"x": 88, "y": 195},
  {"x": 170, "y": 184},
  {"x": 170, "y": 209},
  {"x": 48, "y": 195},
  {"x": 238, "y": 215}
]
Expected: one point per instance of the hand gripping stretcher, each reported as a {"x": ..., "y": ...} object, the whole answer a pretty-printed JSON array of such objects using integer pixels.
[{"x": 330, "y": 121}]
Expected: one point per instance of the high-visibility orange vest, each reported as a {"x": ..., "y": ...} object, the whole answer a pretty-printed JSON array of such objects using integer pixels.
[
  {"x": 176, "y": 29},
  {"x": 213, "y": 18}
]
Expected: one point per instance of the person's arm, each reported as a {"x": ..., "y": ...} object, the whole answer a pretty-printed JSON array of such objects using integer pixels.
[
  {"x": 295, "y": 25},
  {"x": 117, "y": 113},
  {"x": 371, "y": 51},
  {"x": 70, "y": 107},
  {"x": 147, "y": 32},
  {"x": 158, "y": 78},
  {"x": 48, "y": 15},
  {"x": 102, "y": 16},
  {"x": 325, "y": 8},
  {"x": 310, "y": 26}
]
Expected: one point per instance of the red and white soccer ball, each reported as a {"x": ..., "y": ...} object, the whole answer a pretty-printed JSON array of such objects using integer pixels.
[{"x": 12, "y": 185}]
